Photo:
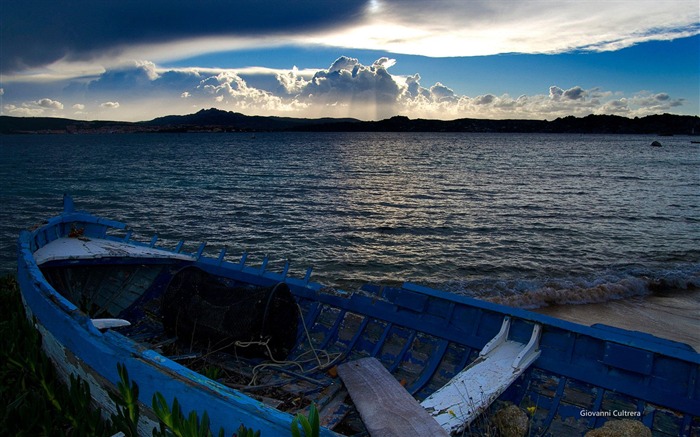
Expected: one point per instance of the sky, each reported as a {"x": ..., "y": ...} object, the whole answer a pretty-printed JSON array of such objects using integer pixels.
[{"x": 366, "y": 59}]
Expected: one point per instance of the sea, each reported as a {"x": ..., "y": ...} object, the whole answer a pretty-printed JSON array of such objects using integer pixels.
[{"x": 548, "y": 222}]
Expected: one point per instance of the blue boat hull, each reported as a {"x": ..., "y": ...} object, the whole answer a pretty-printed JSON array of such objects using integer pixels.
[{"x": 584, "y": 376}]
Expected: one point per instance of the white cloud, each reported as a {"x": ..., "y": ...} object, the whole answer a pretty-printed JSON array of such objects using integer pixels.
[
  {"x": 24, "y": 110},
  {"x": 370, "y": 88},
  {"x": 441, "y": 93},
  {"x": 555, "y": 92},
  {"x": 481, "y": 27},
  {"x": 50, "y": 104},
  {"x": 444, "y": 28},
  {"x": 34, "y": 108},
  {"x": 343, "y": 63},
  {"x": 292, "y": 81},
  {"x": 229, "y": 88},
  {"x": 384, "y": 63},
  {"x": 347, "y": 88},
  {"x": 616, "y": 107},
  {"x": 659, "y": 102}
]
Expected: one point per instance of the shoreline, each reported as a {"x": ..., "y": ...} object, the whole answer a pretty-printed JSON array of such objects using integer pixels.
[{"x": 674, "y": 317}]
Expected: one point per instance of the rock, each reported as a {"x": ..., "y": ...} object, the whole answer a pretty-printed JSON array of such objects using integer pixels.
[
  {"x": 621, "y": 428},
  {"x": 511, "y": 421},
  {"x": 655, "y": 144}
]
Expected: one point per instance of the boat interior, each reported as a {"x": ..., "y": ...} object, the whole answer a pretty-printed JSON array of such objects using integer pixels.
[{"x": 280, "y": 341}]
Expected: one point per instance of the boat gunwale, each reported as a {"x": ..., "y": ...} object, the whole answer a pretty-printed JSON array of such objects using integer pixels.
[
  {"x": 310, "y": 290},
  {"x": 49, "y": 308},
  {"x": 218, "y": 265}
]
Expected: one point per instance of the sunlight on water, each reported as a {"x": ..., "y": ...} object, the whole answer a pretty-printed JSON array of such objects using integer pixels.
[{"x": 528, "y": 220}]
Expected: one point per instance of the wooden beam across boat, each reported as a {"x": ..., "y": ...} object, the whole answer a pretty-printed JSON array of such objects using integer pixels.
[{"x": 386, "y": 408}]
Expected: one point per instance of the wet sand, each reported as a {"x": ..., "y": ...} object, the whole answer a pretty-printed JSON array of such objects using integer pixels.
[{"x": 675, "y": 317}]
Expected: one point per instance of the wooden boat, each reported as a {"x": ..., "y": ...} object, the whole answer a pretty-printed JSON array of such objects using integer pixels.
[{"x": 383, "y": 360}]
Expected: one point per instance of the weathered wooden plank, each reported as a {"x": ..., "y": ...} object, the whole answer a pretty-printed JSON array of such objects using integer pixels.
[
  {"x": 385, "y": 406},
  {"x": 331, "y": 405}
]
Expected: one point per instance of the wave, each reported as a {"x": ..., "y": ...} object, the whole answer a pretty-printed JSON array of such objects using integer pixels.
[
  {"x": 553, "y": 295},
  {"x": 532, "y": 294}
]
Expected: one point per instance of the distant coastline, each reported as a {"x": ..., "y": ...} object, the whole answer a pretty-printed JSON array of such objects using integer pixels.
[{"x": 215, "y": 120}]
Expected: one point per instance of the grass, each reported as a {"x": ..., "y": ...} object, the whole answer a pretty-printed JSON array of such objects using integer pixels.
[{"x": 33, "y": 401}]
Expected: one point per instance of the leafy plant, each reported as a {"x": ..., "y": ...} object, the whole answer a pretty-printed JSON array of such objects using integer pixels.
[
  {"x": 126, "y": 401},
  {"x": 212, "y": 372},
  {"x": 243, "y": 431},
  {"x": 33, "y": 401},
  {"x": 173, "y": 422},
  {"x": 310, "y": 425}
]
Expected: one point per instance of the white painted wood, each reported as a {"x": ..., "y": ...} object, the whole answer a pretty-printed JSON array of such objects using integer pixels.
[
  {"x": 471, "y": 391},
  {"x": 531, "y": 351},
  {"x": 67, "y": 364},
  {"x": 498, "y": 340},
  {"x": 110, "y": 323},
  {"x": 95, "y": 248}
]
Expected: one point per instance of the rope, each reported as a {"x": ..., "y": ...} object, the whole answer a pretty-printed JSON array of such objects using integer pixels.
[{"x": 330, "y": 359}]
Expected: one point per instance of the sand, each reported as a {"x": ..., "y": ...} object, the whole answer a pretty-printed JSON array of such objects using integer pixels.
[{"x": 674, "y": 317}]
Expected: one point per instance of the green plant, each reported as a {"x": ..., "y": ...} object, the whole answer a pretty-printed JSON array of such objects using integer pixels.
[
  {"x": 33, "y": 401},
  {"x": 212, "y": 372},
  {"x": 173, "y": 422},
  {"x": 243, "y": 431},
  {"x": 310, "y": 425},
  {"x": 126, "y": 401}
]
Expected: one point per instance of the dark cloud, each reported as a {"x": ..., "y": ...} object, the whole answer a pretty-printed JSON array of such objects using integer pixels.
[
  {"x": 555, "y": 92},
  {"x": 38, "y": 32},
  {"x": 486, "y": 99},
  {"x": 134, "y": 79},
  {"x": 414, "y": 88},
  {"x": 574, "y": 93}
]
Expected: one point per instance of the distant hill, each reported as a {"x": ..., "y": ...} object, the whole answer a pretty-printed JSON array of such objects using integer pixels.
[
  {"x": 234, "y": 121},
  {"x": 215, "y": 120},
  {"x": 13, "y": 125},
  {"x": 665, "y": 124}
]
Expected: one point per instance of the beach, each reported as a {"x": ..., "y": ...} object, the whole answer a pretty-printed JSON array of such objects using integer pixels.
[{"x": 673, "y": 316}]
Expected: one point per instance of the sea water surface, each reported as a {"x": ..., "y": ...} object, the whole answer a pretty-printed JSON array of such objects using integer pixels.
[{"x": 528, "y": 220}]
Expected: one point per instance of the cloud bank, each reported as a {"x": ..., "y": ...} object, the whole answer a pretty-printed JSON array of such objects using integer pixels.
[
  {"x": 36, "y": 33},
  {"x": 347, "y": 88},
  {"x": 40, "y": 33},
  {"x": 483, "y": 27}
]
